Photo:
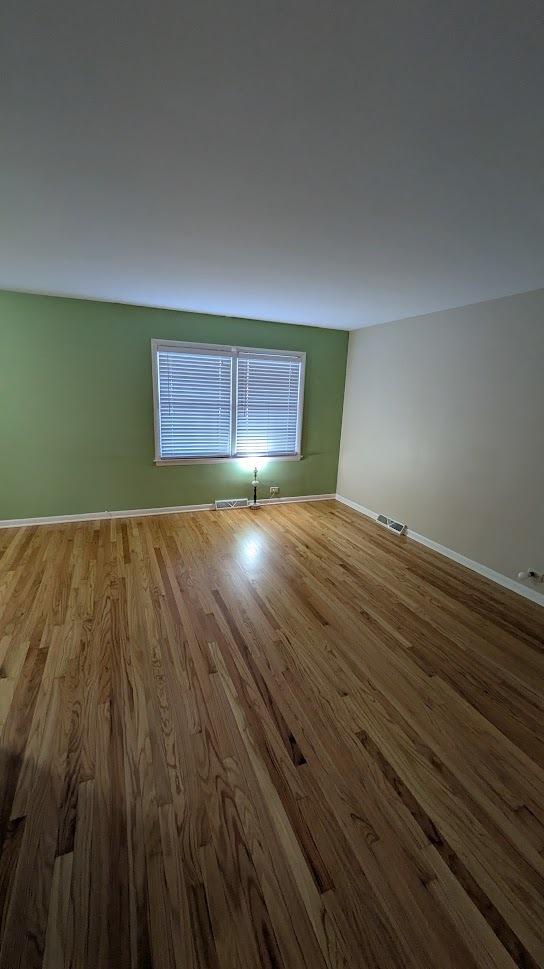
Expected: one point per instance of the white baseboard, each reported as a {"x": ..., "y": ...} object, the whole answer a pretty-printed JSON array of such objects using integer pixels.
[
  {"x": 280, "y": 501},
  {"x": 92, "y": 516},
  {"x": 450, "y": 553},
  {"x": 357, "y": 507}
]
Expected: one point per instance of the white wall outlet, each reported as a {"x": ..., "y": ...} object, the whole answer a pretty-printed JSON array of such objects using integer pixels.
[
  {"x": 274, "y": 490},
  {"x": 531, "y": 574}
]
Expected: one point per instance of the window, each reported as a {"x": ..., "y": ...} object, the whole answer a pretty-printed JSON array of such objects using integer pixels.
[{"x": 217, "y": 403}]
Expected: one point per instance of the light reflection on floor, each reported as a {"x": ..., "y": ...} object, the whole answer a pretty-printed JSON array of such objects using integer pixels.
[{"x": 250, "y": 550}]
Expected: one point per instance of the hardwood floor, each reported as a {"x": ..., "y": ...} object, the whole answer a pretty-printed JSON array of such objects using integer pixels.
[{"x": 281, "y": 738}]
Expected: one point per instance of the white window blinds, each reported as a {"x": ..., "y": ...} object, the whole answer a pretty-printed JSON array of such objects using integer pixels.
[
  {"x": 267, "y": 404},
  {"x": 194, "y": 405},
  {"x": 216, "y": 402}
]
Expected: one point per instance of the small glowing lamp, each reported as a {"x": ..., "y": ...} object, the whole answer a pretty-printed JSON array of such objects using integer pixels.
[{"x": 254, "y": 463}]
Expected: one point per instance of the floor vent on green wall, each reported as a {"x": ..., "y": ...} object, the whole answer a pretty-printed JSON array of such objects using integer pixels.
[{"x": 231, "y": 503}]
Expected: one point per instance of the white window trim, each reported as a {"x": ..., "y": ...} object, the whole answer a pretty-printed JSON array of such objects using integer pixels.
[{"x": 234, "y": 350}]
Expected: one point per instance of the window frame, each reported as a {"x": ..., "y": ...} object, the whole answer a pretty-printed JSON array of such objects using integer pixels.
[{"x": 157, "y": 345}]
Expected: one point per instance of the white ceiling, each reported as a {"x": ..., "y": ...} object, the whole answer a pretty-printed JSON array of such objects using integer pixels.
[{"x": 331, "y": 163}]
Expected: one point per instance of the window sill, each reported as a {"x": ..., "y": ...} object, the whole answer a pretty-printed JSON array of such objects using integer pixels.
[{"x": 161, "y": 462}]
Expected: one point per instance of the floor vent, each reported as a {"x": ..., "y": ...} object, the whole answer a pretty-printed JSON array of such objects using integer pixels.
[
  {"x": 390, "y": 523},
  {"x": 231, "y": 503}
]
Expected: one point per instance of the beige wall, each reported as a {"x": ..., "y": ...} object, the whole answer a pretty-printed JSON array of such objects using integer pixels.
[{"x": 443, "y": 428}]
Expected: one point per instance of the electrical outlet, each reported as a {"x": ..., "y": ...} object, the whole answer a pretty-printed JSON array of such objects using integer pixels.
[{"x": 274, "y": 490}]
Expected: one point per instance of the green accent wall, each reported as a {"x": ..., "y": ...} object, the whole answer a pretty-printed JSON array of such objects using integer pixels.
[{"x": 76, "y": 407}]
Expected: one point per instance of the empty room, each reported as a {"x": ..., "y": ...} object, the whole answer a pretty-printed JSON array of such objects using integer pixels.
[{"x": 271, "y": 485}]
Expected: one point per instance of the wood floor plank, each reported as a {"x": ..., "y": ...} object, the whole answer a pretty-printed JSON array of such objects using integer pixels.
[
  {"x": 280, "y": 738},
  {"x": 56, "y": 951}
]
